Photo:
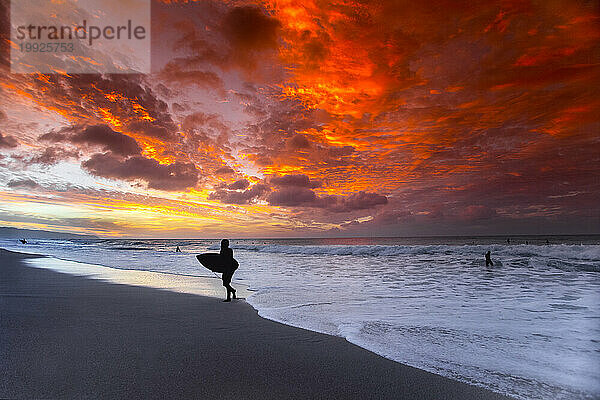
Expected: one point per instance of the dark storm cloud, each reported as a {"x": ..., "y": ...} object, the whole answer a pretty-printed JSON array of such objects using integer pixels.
[
  {"x": 298, "y": 180},
  {"x": 239, "y": 185},
  {"x": 151, "y": 129},
  {"x": 24, "y": 183},
  {"x": 295, "y": 190},
  {"x": 169, "y": 177},
  {"x": 359, "y": 201},
  {"x": 391, "y": 217},
  {"x": 248, "y": 28},
  {"x": 220, "y": 38},
  {"x": 228, "y": 196},
  {"x": 179, "y": 108},
  {"x": 175, "y": 71},
  {"x": 224, "y": 171},
  {"x": 292, "y": 196},
  {"x": 299, "y": 196},
  {"x": 7, "y": 141},
  {"x": 204, "y": 121},
  {"x": 101, "y": 135},
  {"x": 298, "y": 142},
  {"x": 51, "y": 156}
]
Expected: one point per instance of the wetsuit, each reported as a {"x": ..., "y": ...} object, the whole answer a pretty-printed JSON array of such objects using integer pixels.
[{"x": 227, "y": 253}]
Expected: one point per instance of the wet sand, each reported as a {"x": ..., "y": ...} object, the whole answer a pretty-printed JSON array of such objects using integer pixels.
[{"x": 64, "y": 336}]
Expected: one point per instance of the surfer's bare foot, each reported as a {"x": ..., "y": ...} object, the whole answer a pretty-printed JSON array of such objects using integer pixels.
[{"x": 226, "y": 300}]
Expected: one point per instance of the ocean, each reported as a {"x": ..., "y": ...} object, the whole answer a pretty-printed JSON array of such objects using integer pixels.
[{"x": 528, "y": 327}]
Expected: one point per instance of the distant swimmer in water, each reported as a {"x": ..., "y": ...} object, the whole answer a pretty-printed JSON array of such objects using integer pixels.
[
  {"x": 227, "y": 253},
  {"x": 23, "y": 241},
  {"x": 488, "y": 259},
  {"x": 177, "y": 250}
]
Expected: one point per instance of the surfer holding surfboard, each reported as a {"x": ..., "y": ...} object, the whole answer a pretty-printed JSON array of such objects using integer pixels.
[
  {"x": 222, "y": 262},
  {"x": 227, "y": 255}
]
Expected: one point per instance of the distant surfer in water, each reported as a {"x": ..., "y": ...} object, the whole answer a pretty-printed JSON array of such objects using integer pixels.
[
  {"x": 177, "y": 250},
  {"x": 227, "y": 254},
  {"x": 488, "y": 259}
]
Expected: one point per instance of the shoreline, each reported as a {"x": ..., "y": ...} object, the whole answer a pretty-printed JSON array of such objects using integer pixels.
[
  {"x": 191, "y": 284},
  {"x": 70, "y": 336}
]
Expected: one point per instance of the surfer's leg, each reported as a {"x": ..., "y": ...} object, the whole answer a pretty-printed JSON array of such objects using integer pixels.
[
  {"x": 230, "y": 291},
  {"x": 226, "y": 285}
]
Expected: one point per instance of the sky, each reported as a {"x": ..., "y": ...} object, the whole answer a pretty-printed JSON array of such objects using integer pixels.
[{"x": 318, "y": 118}]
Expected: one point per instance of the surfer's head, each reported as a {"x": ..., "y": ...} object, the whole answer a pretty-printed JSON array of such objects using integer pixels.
[{"x": 224, "y": 243}]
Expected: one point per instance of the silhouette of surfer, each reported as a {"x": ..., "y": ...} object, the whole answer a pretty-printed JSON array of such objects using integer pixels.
[
  {"x": 23, "y": 241},
  {"x": 177, "y": 250},
  {"x": 227, "y": 254},
  {"x": 488, "y": 259}
]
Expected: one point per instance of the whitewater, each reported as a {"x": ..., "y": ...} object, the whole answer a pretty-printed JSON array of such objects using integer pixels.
[{"x": 528, "y": 327}]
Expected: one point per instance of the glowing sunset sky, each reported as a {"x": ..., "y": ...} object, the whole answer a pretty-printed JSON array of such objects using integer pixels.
[{"x": 311, "y": 118}]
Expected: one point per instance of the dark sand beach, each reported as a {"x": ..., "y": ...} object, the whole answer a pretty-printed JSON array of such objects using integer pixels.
[{"x": 63, "y": 336}]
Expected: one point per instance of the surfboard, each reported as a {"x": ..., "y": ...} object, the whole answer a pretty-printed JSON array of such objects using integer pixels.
[{"x": 216, "y": 263}]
